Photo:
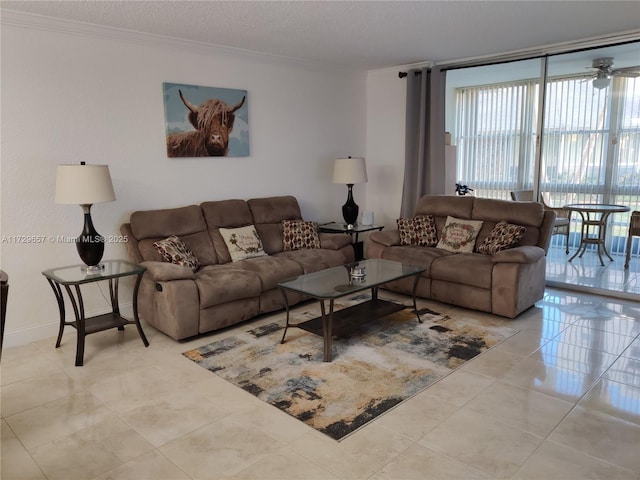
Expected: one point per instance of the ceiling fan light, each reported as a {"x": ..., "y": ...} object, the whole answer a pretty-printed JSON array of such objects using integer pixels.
[{"x": 601, "y": 82}]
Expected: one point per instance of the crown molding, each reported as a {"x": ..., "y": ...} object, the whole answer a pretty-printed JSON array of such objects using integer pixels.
[
  {"x": 73, "y": 27},
  {"x": 546, "y": 50}
]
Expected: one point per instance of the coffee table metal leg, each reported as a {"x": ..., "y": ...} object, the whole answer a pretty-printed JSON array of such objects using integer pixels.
[
  {"x": 286, "y": 306},
  {"x": 327, "y": 329},
  {"x": 415, "y": 305}
]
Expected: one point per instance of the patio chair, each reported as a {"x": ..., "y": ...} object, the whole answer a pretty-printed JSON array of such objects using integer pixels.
[
  {"x": 562, "y": 225},
  {"x": 634, "y": 231}
]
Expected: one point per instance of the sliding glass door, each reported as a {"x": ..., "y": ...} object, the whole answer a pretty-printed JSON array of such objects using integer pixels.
[
  {"x": 591, "y": 136},
  {"x": 583, "y": 147},
  {"x": 492, "y": 112}
]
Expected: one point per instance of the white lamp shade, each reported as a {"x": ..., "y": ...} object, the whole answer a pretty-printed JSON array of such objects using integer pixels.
[
  {"x": 349, "y": 170},
  {"x": 84, "y": 184}
]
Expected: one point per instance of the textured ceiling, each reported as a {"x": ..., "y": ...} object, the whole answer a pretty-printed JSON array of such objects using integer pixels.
[{"x": 357, "y": 34}]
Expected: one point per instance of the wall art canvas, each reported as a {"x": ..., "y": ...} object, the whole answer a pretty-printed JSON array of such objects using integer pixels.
[{"x": 206, "y": 121}]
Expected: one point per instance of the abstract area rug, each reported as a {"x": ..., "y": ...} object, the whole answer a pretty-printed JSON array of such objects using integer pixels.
[{"x": 383, "y": 363}]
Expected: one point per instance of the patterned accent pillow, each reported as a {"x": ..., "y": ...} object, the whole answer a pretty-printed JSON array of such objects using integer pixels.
[
  {"x": 419, "y": 230},
  {"x": 459, "y": 236},
  {"x": 504, "y": 235},
  {"x": 175, "y": 251},
  {"x": 242, "y": 242},
  {"x": 298, "y": 234}
]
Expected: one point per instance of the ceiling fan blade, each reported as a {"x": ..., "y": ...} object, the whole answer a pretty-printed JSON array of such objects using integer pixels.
[{"x": 627, "y": 72}]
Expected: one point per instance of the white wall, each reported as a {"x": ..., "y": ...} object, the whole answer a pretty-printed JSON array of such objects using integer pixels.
[
  {"x": 68, "y": 97},
  {"x": 386, "y": 99}
]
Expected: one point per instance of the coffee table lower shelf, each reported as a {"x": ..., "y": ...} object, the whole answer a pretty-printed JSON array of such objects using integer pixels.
[
  {"x": 349, "y": 319},
  {"x": 336, "y": 282}
]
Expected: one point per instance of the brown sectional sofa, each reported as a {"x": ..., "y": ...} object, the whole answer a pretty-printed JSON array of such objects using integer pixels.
[
  {"x": 505, "y": 284},
  {"x": 183, "y": 303}
]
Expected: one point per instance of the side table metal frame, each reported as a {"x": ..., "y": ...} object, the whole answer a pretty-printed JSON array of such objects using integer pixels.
[
  {"x": 358, "y": 246},
  {"x": 86, "y": 326}
]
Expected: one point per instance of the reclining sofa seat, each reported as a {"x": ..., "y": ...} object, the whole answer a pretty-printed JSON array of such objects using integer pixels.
[
  {"x": 183, "y": 303},
  {"x": 505, "y": 284}
]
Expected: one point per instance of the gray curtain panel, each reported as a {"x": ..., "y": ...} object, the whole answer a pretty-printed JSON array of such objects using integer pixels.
[{"x": 424, "y": 171}]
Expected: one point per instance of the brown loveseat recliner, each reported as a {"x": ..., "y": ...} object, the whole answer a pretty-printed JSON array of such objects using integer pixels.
[
  {"x": 183, "y": 303},
  {"x": 505, "y": 284}
]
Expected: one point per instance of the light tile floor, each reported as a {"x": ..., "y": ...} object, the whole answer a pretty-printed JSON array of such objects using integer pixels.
[
  {"x": 559, "y": 400},
  {"x": 587, "y": 274}
]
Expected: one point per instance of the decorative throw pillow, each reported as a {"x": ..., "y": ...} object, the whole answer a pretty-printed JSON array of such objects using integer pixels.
[
  {"x": 419, "y": 230},
  {"x": 504, "y": 235},
  {"x": 242, "y": 242},
  {"x": 459, "y": 236},
  {"x": 175, "y": 251},
  {"x": 298, "y": 234}
]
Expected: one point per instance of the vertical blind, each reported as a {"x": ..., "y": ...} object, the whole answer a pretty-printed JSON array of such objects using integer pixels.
[{"x": 590, "y": 143}]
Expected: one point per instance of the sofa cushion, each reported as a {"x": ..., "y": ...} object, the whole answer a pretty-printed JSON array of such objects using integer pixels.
[
  {"x": 173, "y": 250},
  {"x": 187, "y": 223},
  {"x": 527, "y": 214},
  {"x": 445, "y": 205},
  {"x": 312, "y": 260},
  {"x": 299, "y": 234},
  {"x": 224, "y": 214},
  {"x": 504, "y": 235},
  {"x": 472, "y": 269},
  {"x": 271, "y": 270},
  {"x": 242, "y": 242},
  {"x": 419, "y": 230},
  {"x": 268, "y": 214},
  {"x": 274, "y": 209},
  {"x": 334, "y": 241},
  {"x": 459, "y": 235},
  {"x": 414, "y": 255},
  {"x": 163, "y": 223},
  {"x": 218, "y": 284}
]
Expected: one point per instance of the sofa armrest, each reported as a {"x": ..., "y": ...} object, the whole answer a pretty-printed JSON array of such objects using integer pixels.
[
  {"x": 524, "y": 254},
  {"x": 165, "y": 271},
  {"x": 131, "y": 243},
  {"x": 334, "y": 241},
  {"x": 388, "y": 238}
]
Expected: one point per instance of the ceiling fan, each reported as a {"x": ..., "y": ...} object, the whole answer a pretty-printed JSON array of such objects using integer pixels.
[{"x": 603, "y": 71}]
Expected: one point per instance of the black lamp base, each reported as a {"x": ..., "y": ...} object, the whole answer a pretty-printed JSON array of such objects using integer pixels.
[
  {"x": 350, "y": 209},
  {"x": 90, "y": 244}
]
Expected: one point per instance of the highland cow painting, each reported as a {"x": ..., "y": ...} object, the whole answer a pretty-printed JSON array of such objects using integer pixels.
[{"x": 206, "y": 121}]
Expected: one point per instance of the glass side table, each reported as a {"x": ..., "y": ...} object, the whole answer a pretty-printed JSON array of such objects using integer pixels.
[
  {"x": 72, "y": 277},
  {"x": 354, "y": 230}
]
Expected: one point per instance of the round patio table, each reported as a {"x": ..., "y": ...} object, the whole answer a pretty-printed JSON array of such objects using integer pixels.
[{"x": 594, "y": 225}]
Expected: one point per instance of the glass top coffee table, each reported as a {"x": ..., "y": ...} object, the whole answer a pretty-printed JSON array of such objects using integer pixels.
[{"x": 336, "y": 282}]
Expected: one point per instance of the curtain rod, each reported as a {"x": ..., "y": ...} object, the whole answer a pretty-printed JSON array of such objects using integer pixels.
[
  {"x": 404, "y": 74},
  {"x": 542, "y": 52},
  {"x": 552, "y": 50}
]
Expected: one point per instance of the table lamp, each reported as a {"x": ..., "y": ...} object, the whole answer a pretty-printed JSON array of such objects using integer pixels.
[
  {"x": 349, "y": 171},
  {"x": 85, "y": 185}
]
